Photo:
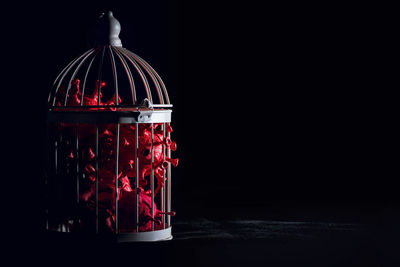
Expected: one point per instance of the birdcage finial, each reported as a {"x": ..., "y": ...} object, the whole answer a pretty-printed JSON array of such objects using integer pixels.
[{"x": 106, "y": 31}]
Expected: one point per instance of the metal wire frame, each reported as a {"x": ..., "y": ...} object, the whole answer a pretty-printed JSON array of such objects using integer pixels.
[
  {"x": 152, "y": 70},
  {"x": 168, "y": 187},
  {"x": 129, "y": 74},
  {"x": 116, "y": 178},
  {"x": 96, "y": 157},
  {"x": 130, "y": 63},
  {"x": 136, "y": 106},
  {"x": 137, "y": 174},
  {"x": 164, "y": 199},
  {"x": 142, "y": 76},
  {"x": 63, "y": 74},
  {"x": 150, "y": 73},
  {"x": 163, "y": 188},
  {"x": 152, "y": 176},
  {"x": 74, "y": 74},
  {"x": 86, "y": 74},
  {"x": 115, "y": 76}
]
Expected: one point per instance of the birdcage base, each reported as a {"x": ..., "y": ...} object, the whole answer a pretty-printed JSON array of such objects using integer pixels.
[
  {"x": 151, "y": 236},
  {"x": 159, "y": 235}
]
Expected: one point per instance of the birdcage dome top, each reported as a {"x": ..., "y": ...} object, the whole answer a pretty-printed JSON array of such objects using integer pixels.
[{"x": 108, "y": 76}]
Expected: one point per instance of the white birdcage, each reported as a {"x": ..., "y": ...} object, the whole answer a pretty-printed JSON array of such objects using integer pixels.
[{"x": 109, "y": 144}]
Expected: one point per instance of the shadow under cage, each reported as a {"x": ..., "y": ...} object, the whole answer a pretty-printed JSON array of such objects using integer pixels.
[{"x": 109, "y": 144}]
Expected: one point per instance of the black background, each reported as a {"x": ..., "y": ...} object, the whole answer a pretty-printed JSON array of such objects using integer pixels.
[{"x": 280, "y": 111}]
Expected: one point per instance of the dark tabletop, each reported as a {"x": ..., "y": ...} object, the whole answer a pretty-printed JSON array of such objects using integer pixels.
[{"x": 205, "y": 242}]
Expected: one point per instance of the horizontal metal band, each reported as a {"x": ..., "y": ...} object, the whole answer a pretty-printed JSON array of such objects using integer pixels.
[
  {"x": 154, "y": 106},
  {"x": 143, "y": 116},
  {"x": 164, "y": 234}
]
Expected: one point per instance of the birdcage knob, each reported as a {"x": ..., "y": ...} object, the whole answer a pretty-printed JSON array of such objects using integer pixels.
[{"x": 106, "y": 31}]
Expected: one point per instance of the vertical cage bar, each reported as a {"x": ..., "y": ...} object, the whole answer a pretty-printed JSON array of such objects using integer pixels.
[
  {"x": 152, "y": 176},
  {"x": 48, "y": 171},
  {"x": 55, "y": 178},
  {"x": 154, "y": 72},
  {"x": 116, "y": 179},
  {"x": 56, "y": 144},
  {"x": 97, "y": 179},
  {"x": 77, "y": 162},
  {"x": 99, "y": 76},
  {"x": 77, "y": 218},
  {"x": 73, "y": 76},
  {"x": 137, "y": 174},
  {"x": 162, "y": 196},
  {"x": 128, "y": 72},
  {"x": 66, "y": 70},
  {"x": 58, "y": 76},
  {"x": 114, "y": 71},
  {"x": 59, "y": 154},
  {"x": 168, "y": 193},
  {"x": 141, "y": 73},
  {"x": 153, "y": 78},
  {"x": 86, "y": 74}
]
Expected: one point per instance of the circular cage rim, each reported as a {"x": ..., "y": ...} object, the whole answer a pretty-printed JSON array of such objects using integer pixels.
[
  {"x": 109, "y": 116},
  {"x": 125, "y": 237},
  {"x": 149, "y": 236}
]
